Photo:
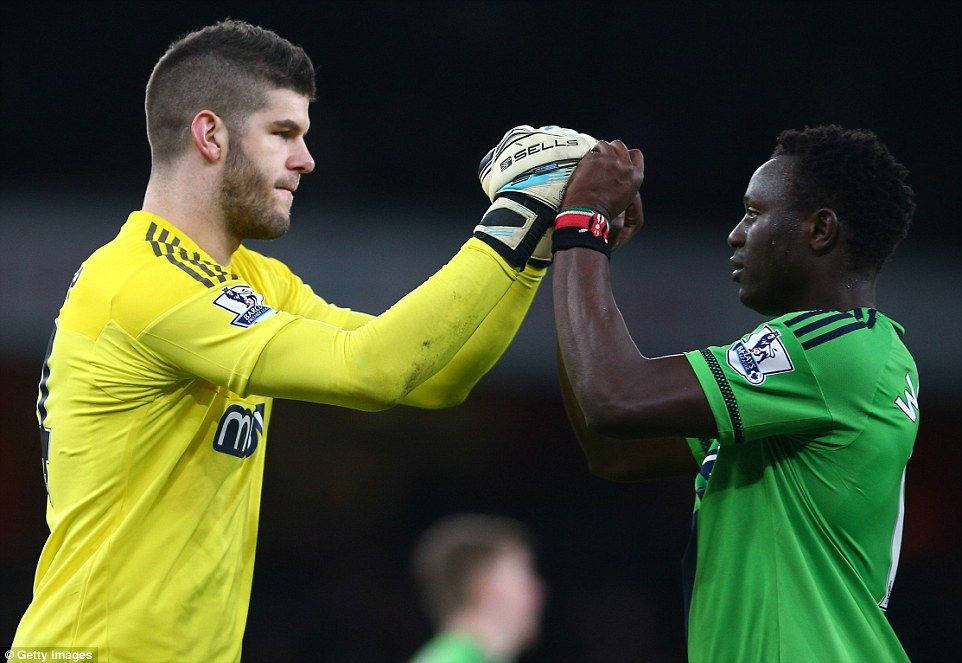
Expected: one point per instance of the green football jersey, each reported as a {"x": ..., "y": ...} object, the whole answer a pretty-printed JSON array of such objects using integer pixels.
[
  {"x": 799, "y": 502},
  {"x": 451, "y": 647}
]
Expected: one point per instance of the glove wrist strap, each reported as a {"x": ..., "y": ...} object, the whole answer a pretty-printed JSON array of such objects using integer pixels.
[
  {"x": 581, "y": 227},
  {"x": 513, "y": 226}
]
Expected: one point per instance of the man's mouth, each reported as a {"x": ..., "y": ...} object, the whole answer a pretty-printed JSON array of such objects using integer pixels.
[
  {"x": 290, "y": 187},
  {"x": 737, "y": 269}
]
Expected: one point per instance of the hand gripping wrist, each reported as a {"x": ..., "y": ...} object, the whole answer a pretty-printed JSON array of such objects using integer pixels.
[{"x": 581, "y": 227}]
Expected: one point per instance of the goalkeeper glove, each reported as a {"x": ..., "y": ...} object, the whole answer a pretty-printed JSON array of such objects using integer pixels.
[{"x": 524, "y": 176}]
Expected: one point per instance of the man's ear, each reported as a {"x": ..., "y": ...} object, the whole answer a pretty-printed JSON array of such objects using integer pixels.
[
  {"x": 824, "y": 230},
  {"x": 208, "y": 134}
]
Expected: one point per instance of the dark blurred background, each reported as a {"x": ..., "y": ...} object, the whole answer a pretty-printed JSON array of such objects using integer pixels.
[{"x": 410, "y": 96}]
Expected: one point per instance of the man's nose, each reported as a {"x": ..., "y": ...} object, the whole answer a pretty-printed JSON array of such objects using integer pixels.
[
  {"x": 302, "y": 161},
  {"x": 737, "y": 236}
]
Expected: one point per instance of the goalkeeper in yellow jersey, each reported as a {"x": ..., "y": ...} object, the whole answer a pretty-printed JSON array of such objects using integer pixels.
[{"x": 155, "y": 396}]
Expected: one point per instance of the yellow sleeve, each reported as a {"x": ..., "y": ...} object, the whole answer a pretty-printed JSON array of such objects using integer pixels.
[
  {"x": 323, "y": 311},
  {"x": 378, "y": 363},
  {"x": 452, "y": 384},
  {"x": 297, "y": 297},
  {"x": 213, "y": 336}
]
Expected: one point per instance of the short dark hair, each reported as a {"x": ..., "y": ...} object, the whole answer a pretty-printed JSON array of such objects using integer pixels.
[
  {"x": 450, "y": 553},
  {"x": 227, "y": 68},
  {"x": 853, "y": 173}
]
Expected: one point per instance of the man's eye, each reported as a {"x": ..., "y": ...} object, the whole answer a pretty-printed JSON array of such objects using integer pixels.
[{"x": 751, "y": 212}]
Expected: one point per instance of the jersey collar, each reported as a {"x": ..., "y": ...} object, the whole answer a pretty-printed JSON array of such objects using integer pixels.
[{"x": 154, "y": 228}]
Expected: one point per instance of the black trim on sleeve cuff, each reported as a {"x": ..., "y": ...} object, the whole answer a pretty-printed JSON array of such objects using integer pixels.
[{"x": 726, "y": 391}]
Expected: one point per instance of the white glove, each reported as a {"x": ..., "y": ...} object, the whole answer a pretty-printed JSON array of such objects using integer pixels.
[
  {"x": 536, "y": 162},
  {"x": 524, "y": 176}
]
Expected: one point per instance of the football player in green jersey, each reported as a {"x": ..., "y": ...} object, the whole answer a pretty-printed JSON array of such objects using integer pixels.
[
  {"x": 480, "y": 588},
  {"x": 802, "y": 427}
]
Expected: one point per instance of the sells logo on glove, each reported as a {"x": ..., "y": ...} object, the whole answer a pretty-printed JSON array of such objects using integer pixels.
[
  {"x": 543, "y": 146},
  {"x": 247, "y": 305}
]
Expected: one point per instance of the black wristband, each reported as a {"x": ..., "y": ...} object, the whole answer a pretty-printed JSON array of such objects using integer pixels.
[{"x": 581, "y": 228}]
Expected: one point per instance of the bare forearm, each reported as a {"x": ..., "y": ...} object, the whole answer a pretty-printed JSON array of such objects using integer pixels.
[
  {"x": 598, "y": 353},
  {"x": 621, "y": 392}
]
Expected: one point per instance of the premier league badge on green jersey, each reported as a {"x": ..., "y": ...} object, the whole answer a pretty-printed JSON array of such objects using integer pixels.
[{"x": 759, "y": 355}]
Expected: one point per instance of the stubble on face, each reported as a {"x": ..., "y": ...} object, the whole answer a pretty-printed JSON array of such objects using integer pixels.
[{"x": 247, "y": 200}]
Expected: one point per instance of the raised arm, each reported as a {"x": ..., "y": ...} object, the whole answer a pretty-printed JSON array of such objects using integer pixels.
[
  {"x": 524, "y": 177},
  {"x": 621, "y": 392},
  {"x": 452, "y": 384},
  {"x": 454, "y": 381},
  {"x": 375, "y": 365},
  {"x": 451, "y": 334}
]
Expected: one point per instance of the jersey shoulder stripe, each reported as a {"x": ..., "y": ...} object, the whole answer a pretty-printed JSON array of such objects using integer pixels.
[
  {"x": 821, "y": 322},
  {"x": 43, "y": 389},
  {"x": 833, "y": 334},
  {"x": 167, "y": 246},
  {"x": 805, "y": 316},
  {"x": 824, "y": 325}
]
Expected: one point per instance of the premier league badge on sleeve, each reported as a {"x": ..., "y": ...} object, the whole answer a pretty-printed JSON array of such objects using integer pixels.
[
  {"x": 760, "y": 355},
  {"x": 247, "y": 305}
]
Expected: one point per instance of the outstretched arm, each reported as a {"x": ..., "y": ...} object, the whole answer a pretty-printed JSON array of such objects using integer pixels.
[
  {"x": 377, "y": 364},
  {"x": 622, "y": 393},
  {"x": 524, "y": 177},
  {"x": 452, "y": 384}
]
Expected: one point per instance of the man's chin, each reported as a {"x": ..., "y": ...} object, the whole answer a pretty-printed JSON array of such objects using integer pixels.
[
  {"x": 749, "y": 299},
  {"x": 765, "y": 306},
  {"x": 273, "y": 231},
  {"x": 265, "y": 230}
]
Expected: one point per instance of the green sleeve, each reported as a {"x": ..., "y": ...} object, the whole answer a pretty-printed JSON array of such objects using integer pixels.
[
  {"x": 761, "y": 385},
  {"x": 699, "y": 447}
]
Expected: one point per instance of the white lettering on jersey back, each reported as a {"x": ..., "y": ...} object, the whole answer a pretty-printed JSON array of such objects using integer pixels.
[{"x": 911, "y": 403}]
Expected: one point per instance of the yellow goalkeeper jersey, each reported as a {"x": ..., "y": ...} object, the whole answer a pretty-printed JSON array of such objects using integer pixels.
[{"x": 154, "y": 405}]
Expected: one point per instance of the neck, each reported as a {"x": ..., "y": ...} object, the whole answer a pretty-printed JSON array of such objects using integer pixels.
[
  {"x": 191, "y": 203},
  {"x": 494, "y": 639},
  {"x": 845, "y": 293},
  {"x": 827, "y": 288},
  {"x": 855, "y": 291}
]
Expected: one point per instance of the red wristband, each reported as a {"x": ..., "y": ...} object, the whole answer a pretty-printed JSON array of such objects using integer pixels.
[
  {"x": 581, "y": 227},
  {"x": 583, "y": 218}
]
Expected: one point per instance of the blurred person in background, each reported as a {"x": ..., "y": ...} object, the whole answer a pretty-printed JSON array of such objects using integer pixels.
[
  {"x": 477, "y": 579},
  {"x": 803, "y": 427},
  {"x": 156, "y": 392}
]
